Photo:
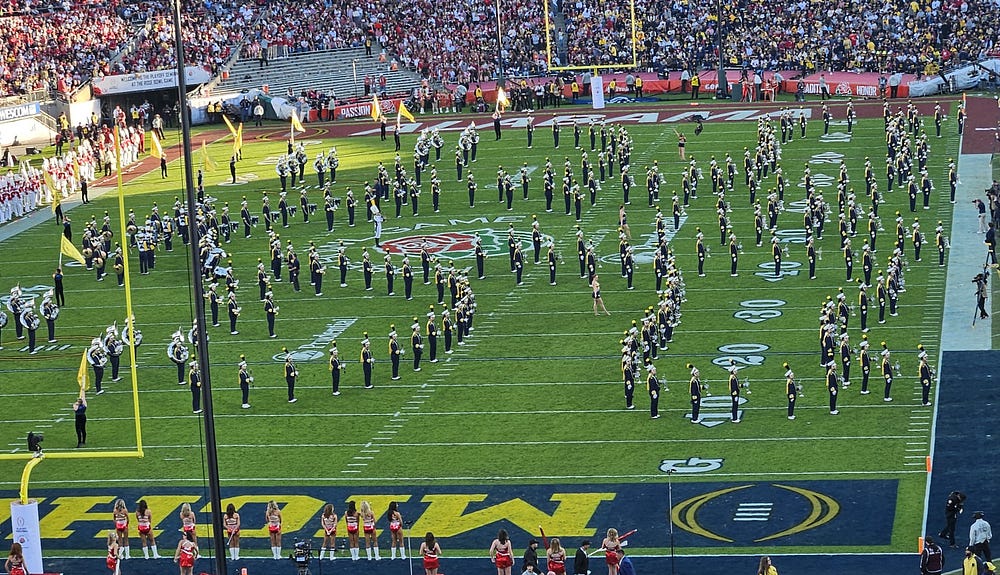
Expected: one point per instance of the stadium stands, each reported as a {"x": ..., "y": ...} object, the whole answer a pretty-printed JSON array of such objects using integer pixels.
[{"x": 61, "y": 46}]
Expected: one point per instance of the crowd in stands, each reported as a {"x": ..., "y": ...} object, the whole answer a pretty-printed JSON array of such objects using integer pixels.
[
  {"x": 211, "y": 31},
  {"x": 287, "y": 27},
  {"x": 60, "y": 46},
  {"x": 58, "y": 50}
]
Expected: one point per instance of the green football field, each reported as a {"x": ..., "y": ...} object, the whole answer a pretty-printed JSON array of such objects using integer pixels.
[{"x": 535, "y": 397}]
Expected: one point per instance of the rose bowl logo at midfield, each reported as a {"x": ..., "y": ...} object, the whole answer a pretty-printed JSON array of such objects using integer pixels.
[{"x": 453, "y": 245}]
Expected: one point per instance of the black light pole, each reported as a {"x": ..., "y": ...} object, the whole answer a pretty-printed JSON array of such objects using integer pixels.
[
  {"x": 214, "y": 491},
  {"x": 500, "y": 83},
  {"x": 721, "y": 81}
]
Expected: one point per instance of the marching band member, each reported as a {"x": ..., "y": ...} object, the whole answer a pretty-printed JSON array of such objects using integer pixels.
[
  {"x": 245, "y": 380},
  {"x": 694, "y": 389},
  {"x": 194, "y": 382},
  {"x": 233, "y": 307},
  {"x": 653, "y": 387},
  {"x": 791, "y": 390},
  {"x": 114, "y": 348},
  {"x": 291, "y": 374},
  {"x": 886, "y": 372},
  {"x": 416, "y": 344},
  {"x": 367, "y": 361},
  {"x": 395, "y": 519},
  {"x": 80, "y": 417},
  {"x": 97, "y": 359},
  {"x": 832, "y": 386},
  {"x": 272, "y": 520},
  {"x": 734, "y": 392},
  {"x": 29, "y": 320},
  {"x": 336, "y": 367},
  {"x": 926, "y": 375},
  {"x": 144, "y": 524},
  {"x": 329, "y": 522},
  {"x": 368, "y": 526},
  {"x": 121, "y": 527},
  {"x": 271, "y": 311},
  {"x": 501, "y": 553}
]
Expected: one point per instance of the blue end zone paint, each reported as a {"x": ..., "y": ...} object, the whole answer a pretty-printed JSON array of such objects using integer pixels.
[
  {"x": 767, "y": 514},
  {"x": 965, "y": 446}
]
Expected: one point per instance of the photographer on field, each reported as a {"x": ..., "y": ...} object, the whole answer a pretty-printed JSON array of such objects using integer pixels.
[{"x": 982, "y": 284}]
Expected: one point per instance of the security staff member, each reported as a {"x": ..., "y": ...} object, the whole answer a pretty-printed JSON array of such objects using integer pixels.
[
  {"x": 926, "y": 375},
  {"x": 694, "y": 390},
  {"x": 653, "y": 387},
  {"x": 336, "y": 367},
  {"x": 395, "y": 352},
  {"x": 416, "y": 344},
  {"x": 832, "y": 387},
  {"x": 791, "y": 391},
  {"x": 367, "y": 361},
  {"x": 734, "y": 393},
  {"x": 245, "y": 379}
]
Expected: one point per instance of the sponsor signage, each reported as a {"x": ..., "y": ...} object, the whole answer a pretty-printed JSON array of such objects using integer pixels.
[
  {"x": 20, "y": 112},
  {"x": 364, "y": 109},
  {"x": 147, "y": 81}
]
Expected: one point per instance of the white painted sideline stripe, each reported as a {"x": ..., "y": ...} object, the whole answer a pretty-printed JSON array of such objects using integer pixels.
[{"x": 307, "y": 481}]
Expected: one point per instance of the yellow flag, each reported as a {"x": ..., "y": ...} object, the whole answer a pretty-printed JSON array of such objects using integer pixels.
[
  {"x": 206, "y": 160},
  {"x": 49, "y": 182},
  {"x": 376, "y": 108},
  {"x": 296, "y": 124},
  {"x": 406, "y": 113},
  {"x": 69, "y": 250},
  {"x": 502, "y": 101},
  {"x": 156, "y": 150},
  {"x": 238, "y": 139},
  {"x": 229, "y": 125},
  {"x": 81, "y": 376},
  {"x": 56, "y": 200}
]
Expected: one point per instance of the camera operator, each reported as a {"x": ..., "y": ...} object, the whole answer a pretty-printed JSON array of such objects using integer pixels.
[
  {"x": 301, "y": 556},
  {"x": 982, "y": 282}
]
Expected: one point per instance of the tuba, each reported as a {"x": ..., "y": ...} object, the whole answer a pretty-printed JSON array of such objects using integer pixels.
[
  {"x": 3, "y": 319},
  {"x": 124, "y": 336},
  {"x": 50, "y": 310},
  {"x": 29, "y": 319},
  {"x": 96, "y": 356},
  {"x": 176, "y": 350}
]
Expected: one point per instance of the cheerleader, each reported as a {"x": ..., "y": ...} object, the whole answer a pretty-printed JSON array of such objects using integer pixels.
[
  {"x": 272, "y": 517},
  {"x": 113, "y": 552},
  {"x": 612, "y": 551},
  {"x": 15, "y": 560},
  {"x": 395, "y": 530},
  {"x": 231, "y": 521},
  {"x": 501, "y": 553},
  {"x": 556, "y": 557},
  {"x": 187, "y": 552},
  {"x": 430, "y": 550},
  {"x": 144, "y": 524},
  {"x": 368, "y": 526},
  {"x": 188, "y": 522},
  {"x": 351, "y": 518},
  {"x": 121, "y": 527},
  {"x": 329, "y": 522}
]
